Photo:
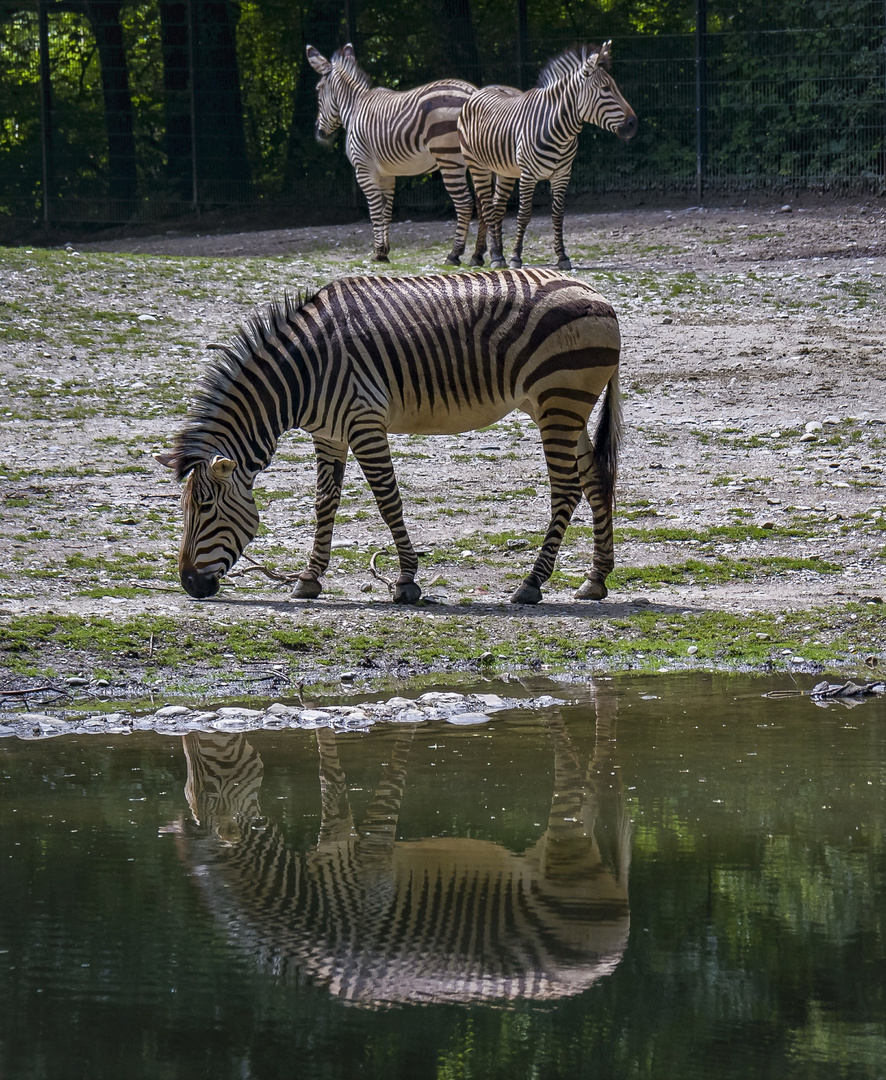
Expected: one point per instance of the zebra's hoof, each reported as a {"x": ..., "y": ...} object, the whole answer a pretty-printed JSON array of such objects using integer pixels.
[
  {"x": 591, "y": 590},
  {"x": 381, "y": 257},
  {"x": 307, "y": 588},
  {"x": 496, "y": 264},
  {"x": 477, "y": 260},
  {"x": 564, "y": 263},
  {"x": 516, "y": 262},
  {"x": 453, "y": 260},
  {"x": 526, "y": 594},
  {"x": 406, "y": 593}
]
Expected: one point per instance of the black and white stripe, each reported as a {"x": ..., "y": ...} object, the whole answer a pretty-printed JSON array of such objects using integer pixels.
[
  {"x": 366, "y": 356},
  {"x": 508, "y": 135},
  {"x": 392, "y": 133},
  {"x": 380, "y": 921}
]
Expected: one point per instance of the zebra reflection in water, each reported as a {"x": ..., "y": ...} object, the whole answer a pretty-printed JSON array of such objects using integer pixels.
[{"x": 380, "y": 922}]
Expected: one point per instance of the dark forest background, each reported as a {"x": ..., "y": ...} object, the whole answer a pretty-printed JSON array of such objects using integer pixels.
[{"x": 118, "y": 111}]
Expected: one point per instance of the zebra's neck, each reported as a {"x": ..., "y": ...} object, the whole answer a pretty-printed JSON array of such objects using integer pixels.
[
  {"x": 350, "y": 92},
  {"x": 254, "y": 394}
]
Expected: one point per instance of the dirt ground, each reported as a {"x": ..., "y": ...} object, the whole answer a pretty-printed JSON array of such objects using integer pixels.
[{"x": 755, "y": 394}]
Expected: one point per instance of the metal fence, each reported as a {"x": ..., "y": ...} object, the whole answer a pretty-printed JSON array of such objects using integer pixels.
[{"x": 146, "y": 110}]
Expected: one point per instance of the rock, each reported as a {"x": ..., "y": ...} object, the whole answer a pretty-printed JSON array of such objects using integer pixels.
[
  {"x": 814, "y": 425},
  {"x": 692, "y": 650},
  {"x": 466, "y": 719},
  {"x": 172, "y": 710}
]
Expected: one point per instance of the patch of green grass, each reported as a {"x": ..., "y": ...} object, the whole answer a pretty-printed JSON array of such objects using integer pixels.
[{"x": 716, "y": 571}]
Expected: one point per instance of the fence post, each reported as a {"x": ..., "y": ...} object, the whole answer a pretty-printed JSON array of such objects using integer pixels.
[
  {"x": 192, "y": 80},
  {"x": 45, "y": 106},
  {"x": 522, "y": 34},
  {"x": 701, "y": 76}
]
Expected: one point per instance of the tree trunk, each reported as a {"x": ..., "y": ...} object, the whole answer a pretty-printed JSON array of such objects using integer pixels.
[{"x": 104, "y": 18}]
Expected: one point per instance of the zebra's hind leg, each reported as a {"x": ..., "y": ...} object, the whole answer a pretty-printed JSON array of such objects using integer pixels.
[
  {"x": 560, "y": 456},
  {"x": 455, "y": 180},
  {"x": 331, "y": 457},
  {"x": 527, "y": 189},
  {"x": 594, "y": 585},
  {"x": 369, "y": 442}
]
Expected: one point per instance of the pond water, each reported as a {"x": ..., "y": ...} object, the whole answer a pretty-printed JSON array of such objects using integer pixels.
[{"x": 672, "y": 877}]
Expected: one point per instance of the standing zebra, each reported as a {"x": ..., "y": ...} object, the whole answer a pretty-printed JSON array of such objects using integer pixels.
[
  {"x": 394, "y": 133},
  {"x": 508, "y": 135},
  {"x": 366, "y": 356}
]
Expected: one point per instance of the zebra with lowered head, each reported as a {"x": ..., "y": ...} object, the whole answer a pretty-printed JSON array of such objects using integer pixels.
[
  {"x": 366, "y": 356},
  {"x": 392, "y": 133},
  {"x": 508, "y": 135}
]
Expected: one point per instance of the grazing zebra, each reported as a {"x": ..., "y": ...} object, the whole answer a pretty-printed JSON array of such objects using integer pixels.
[
  {"x": 508, "y": 135},
  {"x": 366, "y": 356},
  {"x": 392, "y": 133},
  {"x": 380, "y": 921}
]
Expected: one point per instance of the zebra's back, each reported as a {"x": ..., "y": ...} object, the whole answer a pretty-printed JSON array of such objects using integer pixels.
[
  {"x": 444, "y": 354},
  {"x": 406, "y": 132}
]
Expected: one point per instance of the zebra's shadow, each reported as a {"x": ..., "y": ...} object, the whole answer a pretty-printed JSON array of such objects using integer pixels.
[
  {"x": 378, "y": 921},
  {"x": 503, "y": 608}
]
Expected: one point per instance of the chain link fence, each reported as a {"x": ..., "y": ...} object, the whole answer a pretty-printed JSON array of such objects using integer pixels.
[{"x": 136, "y": 112}]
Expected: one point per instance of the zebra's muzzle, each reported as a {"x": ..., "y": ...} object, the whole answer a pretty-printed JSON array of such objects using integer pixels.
[
  {"x": 628, "y": 129},
  {"x": 200, "y": 586},
  {"x": 324, "y": 138}
]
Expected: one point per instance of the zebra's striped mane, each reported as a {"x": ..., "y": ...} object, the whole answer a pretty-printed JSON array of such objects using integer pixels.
[
  {"x": 568, "y": 61},
  {"x": 349, "y": 61},
  {"x": 214, "y": 385}
]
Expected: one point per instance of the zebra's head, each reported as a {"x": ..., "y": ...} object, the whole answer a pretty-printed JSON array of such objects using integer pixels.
[
  {"x": 600, "y": 100},
  {"x": 220, "y": 519},
  {"x": 340, "y": 80}
]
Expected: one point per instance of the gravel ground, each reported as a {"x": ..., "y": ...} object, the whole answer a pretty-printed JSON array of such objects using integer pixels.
[{"x": 755, "y": 397}]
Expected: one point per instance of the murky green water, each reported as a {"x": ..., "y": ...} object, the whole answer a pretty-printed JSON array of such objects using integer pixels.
[{"x": 675, "y": 878}]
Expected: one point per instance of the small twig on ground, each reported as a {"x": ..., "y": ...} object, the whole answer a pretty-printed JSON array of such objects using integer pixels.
[
  {"x": 33, "y": 690},
  {"x": 274, "y": 575},
  {"x": 376, "y": 573}
]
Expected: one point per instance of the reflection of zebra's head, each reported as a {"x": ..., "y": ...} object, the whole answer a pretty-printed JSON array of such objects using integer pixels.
[
  {"x": 341, "y": 78},
  {"x": 599, "y": 101},
  {"x": 220, "y": 519}
]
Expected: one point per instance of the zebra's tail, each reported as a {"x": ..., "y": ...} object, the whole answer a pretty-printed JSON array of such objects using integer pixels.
[{"x": 607, "y": 440}]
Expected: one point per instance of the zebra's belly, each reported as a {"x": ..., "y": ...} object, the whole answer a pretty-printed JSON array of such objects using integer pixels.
[
  {"x": 415, "y": 164},
  {"x": 442, "y": 420}
]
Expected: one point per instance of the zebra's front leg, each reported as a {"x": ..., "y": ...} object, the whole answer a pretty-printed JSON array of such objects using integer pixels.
[
  {"x": 331, "y": 457},
  {"x": 483, "y": 189},
  {"x": 559, "y": 184},
  {"x": 379, "y": 192},
  {"x": 372, "y": 451},
  {"x": 504, "y": 185},
  {"x": 594, "y": 585},
  {"x": 524, "y": 213}
]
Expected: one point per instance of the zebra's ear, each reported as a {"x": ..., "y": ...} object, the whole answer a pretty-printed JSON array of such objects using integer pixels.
[
  {"x": 606, "y": 54},
  {"x": 347, "y": 52},
  {"x": 318, "y": 61},
  {"x": 165, "y": 458},
  {"x": 590, "y": 64},
  {"x": 222, "y": 467}
]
